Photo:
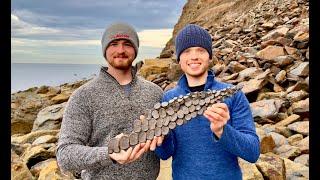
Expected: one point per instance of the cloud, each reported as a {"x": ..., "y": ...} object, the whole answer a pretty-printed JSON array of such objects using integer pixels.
[
  {"x": 155, "y": 37},
  {"x": 53, "y": 31},
  {"x": 28, "y": 34},
  {"x": 20, "y": 27},
  {"x": 149, "y": 38},
  {"x": 20, "y": 42},
  {"x": 143, "y": 14},
  {"x": 23, "y": 29}
]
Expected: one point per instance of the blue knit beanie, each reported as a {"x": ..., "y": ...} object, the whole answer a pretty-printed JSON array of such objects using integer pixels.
[{"x": 193, "y": 36}]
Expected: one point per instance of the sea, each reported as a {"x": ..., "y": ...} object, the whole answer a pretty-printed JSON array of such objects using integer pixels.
[{"x": 27, "y": 75}]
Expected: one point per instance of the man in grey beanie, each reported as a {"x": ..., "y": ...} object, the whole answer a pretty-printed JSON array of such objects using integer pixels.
[{"x": 104, "y": 108}]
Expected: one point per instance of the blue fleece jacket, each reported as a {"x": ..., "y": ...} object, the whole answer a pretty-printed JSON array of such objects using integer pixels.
[{"x": 195, "y": 150}]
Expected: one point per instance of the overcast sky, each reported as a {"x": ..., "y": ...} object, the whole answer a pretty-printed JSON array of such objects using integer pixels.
[{"x": 69, "y": 31}]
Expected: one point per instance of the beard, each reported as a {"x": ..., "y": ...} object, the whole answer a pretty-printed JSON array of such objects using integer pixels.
[{"x": 121, "y": 64}]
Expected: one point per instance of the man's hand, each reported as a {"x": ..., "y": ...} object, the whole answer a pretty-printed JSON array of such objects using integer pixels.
[
  {"x": 130, "y": 155},
  {"x": 157, "y": 141},
  {"x": 218, "y": 114}
]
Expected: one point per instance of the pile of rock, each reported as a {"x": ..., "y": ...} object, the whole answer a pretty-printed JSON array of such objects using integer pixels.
[{"x": 36, "y": 116}]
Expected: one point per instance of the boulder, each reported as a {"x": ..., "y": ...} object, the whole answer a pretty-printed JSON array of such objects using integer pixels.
[
  {"x": 295, "y": 170},
  {"x": 284, "y": 131},
  {"x": 288, "y": 151},
  {"x": 52, "y": 171},
  {"x": 35, "y": 169},
  {"x": 271, "y": 166},
  {"x": 301, "y": 36},
  {"x": 271, "y": 95},
  {"x": 291, "y": 50},
  {"x": 226, "y": 51},
  {"x": 302, "y": 69},
  {"x": 270, "y": 52},
  {"x": 230, "y": 43},
  {"x": 278, "y": 139},
  {"x": 294, "y": 139},
  {"x": 268, "y": 128},
  {"x": 35, "y": 154},
  {"x": 268, "y": 25},
  {"x": 49, "y": 118},
  {"x": 253, "y": 85},
  {"x": 166, "y": 54},
  {"x": 291, "y": 119},
  {"x": 301, "y": 127},
  {"x": 60, "y": 98},
  {"x": 154, "y": 66},
  {"x": 19, "y": 169},
  {"x": 26, "y": 104},
  {"x": 281, "y": 76},
  {"x": 174, "y": 72},
  {"x": 249, "y": 171},
  {"x": 20, "y": 148},
  {"x": 266, "y": 108},
  {"x": 236, "y": 30},
  {"x": 303, "y": 145},
  {"x": 300, "y": 85},
  {"x": 267, "y": 144},
  {"x": 48, "y": 91},
  {"x": 300, "y": 107},
  {"x": 295, "y": 96},
  {"x": 236, "y": 67},
  {"x": 303, "y": 159},
  {"x": 29, "y": 138},
  {"x": 249, "y": 73},
  {"x": 281, "y": 31},
  {"x": 282, "y": 61},
  {"x": 42, "y": 89},
  {"x": 45, "y": 139},
  {"x": 23, "y": 116}
]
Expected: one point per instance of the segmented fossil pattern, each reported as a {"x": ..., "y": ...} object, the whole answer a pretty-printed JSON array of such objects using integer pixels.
[{"x": 165, "y": 116}]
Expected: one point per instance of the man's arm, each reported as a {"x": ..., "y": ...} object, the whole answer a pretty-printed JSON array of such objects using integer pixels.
[
  {"x": 72, "y": 151},
  {"x": 239, "y": 137}
]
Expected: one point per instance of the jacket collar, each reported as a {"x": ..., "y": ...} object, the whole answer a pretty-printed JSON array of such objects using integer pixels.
[{"x": 183, "y": 82}]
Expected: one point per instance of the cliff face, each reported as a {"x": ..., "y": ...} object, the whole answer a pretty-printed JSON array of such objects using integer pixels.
[{"x": 216, "y": 13}]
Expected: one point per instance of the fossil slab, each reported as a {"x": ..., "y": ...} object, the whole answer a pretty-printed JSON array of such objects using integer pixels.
[{"x": 166, "y": 116}]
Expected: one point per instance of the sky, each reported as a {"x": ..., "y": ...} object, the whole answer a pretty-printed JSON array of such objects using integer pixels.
[{"x": 70, "y": 31}]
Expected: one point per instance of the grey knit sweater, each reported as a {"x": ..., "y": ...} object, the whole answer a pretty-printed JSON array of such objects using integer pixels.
[{"x": 96, "y": 112}]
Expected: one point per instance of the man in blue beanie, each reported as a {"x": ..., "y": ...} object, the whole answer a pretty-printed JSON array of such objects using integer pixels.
[{"x": 208, "y": 146}]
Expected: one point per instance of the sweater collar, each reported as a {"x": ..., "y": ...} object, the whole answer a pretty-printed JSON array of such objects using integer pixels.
[
  {"x": 107, "y": 76},
  {"x": 183, "y": 82}
]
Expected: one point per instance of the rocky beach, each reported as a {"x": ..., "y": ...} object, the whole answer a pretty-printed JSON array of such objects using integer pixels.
[{"x": 259, "y": 44}]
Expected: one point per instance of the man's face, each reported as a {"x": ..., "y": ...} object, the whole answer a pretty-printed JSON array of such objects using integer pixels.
[
  {"x": 120, "y": 54},
  {"x": 194, "y": 61}
]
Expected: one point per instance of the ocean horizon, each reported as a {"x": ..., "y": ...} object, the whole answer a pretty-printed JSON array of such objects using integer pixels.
[{"x": 28, "y": 75}]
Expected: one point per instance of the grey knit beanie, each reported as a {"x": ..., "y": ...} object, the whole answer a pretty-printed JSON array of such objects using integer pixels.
[
  {"x": 119, "y": 31},
  {"x": 193, "y": 36}
]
